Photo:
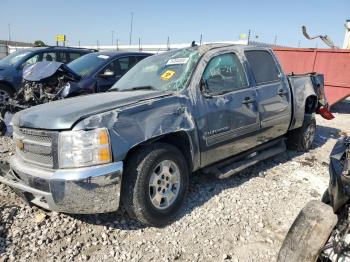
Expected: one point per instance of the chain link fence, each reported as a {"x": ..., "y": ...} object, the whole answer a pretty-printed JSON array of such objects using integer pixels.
[{"x": 4, "y": 51}]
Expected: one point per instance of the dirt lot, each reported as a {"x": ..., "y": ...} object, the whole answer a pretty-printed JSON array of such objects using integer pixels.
[{"x": 242, "y": 218}]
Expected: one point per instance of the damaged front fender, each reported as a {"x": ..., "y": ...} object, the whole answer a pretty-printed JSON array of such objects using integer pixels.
[{"x": 145, "y": 122}]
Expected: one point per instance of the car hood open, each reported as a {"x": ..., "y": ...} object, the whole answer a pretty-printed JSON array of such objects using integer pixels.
[{"x": 63, "y": 114}]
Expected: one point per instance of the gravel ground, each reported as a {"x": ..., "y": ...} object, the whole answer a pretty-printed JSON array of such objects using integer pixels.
[{"x": 242, "y": 218}]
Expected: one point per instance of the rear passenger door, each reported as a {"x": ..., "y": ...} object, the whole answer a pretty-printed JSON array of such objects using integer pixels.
[
  {"x": 273, "y": 94},
  {"x": 229, "y": 107}
]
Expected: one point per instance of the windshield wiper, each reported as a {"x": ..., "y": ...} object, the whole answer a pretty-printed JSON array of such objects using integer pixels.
[{"x": 140, "y": 88}]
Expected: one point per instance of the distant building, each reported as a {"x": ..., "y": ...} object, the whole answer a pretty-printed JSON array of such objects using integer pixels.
[{"x": 15, "y": 43}]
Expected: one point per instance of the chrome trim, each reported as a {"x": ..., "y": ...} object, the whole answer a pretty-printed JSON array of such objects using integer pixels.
[
  {"x": 88, "y": 190},
  {"x": 32, "y": 142},
  {"x": 230, "y": 134}
]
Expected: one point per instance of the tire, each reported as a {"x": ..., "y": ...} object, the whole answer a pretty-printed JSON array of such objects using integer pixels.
[
  {"x": 144, "y": 201},
  {"x": 326, "y": 197},
  {"x": 308, "y": 234},
  {"x": 301, "y": 139},
  {"x": 3, "y": 128}
]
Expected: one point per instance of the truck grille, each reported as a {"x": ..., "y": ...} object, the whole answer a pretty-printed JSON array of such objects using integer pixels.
[{"x": 35, "y": 146}]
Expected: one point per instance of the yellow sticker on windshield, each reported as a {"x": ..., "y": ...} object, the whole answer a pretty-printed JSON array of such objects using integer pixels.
[{"x": 168, "y": 74}]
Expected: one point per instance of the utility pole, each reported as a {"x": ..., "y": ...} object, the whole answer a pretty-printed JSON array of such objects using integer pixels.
[
  {"x": 299, "y": 44},
  {"x": 201, "y": 40},
  {"x": 275, "y": 40},
  {"x": 132, "y": 18},
  {"x": 112, "y": 31},
  {"x": 9, "y": 25},
  {"x": 79, "y": 43},
  {"x": 248, "y": 36},
  {"x": 168, "y": 44}
]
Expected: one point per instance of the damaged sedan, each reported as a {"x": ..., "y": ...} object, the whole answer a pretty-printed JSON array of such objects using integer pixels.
[
  {"x": 217, "y": 108},
  {"x": 50, "y": 80}
]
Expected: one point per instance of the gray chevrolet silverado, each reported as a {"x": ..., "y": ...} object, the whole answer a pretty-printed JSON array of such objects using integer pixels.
[{"x": 216, "y": 108}]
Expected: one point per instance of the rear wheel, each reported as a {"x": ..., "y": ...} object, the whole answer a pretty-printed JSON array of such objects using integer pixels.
[
  {"x": 309, "y": 233},
  {"x": 302, "y": 138},
  {"x": 155, "y": 184}
]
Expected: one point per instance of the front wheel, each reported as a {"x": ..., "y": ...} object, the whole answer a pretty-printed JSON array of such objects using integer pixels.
[{"x": 155, "y": 184}]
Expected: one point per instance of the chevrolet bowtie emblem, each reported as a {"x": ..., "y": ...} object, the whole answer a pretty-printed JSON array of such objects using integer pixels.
[{"x": 20, "y": 144}]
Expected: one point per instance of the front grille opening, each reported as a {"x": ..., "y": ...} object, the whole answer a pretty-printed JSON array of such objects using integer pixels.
[{"x": 35, "y": 146}]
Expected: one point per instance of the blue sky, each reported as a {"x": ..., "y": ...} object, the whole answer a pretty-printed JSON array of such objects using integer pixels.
[{"x": 183, "y": 21}]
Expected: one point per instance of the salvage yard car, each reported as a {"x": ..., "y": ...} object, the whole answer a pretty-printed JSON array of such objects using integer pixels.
[
  {"x": 12, "y": 65},
  {"x": 49, "y": 80},
  {"x": 216, "y": 108}
]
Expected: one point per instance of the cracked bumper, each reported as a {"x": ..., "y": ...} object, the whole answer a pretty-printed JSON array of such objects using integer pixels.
[{"x": 88, "y": 190}]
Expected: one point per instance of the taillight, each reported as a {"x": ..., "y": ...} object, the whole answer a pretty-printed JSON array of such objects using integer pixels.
[{"x": 325, "y": 113}]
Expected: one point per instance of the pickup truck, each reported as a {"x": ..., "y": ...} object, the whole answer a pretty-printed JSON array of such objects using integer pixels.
[{"x": 216, "y": 108}]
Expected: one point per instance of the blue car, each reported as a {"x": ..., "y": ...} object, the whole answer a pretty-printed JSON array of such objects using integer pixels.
[
  {"x": 50, "y": 80},
  {"x": 11, "y": 67},
  {"x": 97, "y": 72}
]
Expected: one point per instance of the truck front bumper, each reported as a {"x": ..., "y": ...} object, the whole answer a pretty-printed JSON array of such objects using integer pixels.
[{"x": 88, "y": 190}]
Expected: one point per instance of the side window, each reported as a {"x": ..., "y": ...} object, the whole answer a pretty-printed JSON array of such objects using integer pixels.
[
  {"x": 49, "y": 56},
  {"x": 32, "y": 60},
  {"x": 263, "y": 66},
  {"x": 224, "y": 73},
  {"x": 139, "y": 58},
  {"x": 135, "y": 60},
  {"x": 114, "y": 67},
  {"x": 124, "y": 64},
  {"x": 73, "y": 56},
  {"x": 62, "y": 57}
]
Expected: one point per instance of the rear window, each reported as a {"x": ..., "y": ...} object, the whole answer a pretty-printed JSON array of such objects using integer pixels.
[{"x": 263, "y": 66}]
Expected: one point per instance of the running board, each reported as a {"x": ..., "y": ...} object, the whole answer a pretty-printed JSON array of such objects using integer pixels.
[{"x": 237, "y": 166}]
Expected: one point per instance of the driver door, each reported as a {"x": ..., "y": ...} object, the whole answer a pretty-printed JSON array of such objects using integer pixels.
[{"x": 230, "y": 110}]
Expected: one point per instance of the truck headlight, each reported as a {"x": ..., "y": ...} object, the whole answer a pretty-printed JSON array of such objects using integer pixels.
[{"x": 84, "y": 148}]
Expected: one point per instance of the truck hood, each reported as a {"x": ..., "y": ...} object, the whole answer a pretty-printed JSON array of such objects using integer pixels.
[{"x": 63, "y": 114}]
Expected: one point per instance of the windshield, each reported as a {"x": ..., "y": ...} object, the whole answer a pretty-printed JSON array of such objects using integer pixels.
[
  {"x": 14, "y": 57},
  {"x": 169, "y": 71},
  {"x": 88, "y": 64}
]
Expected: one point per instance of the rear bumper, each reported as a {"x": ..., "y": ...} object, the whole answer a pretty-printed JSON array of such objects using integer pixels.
[{"x": 87, "y": 190}]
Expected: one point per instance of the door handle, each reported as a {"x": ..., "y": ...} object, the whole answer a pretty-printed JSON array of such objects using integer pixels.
[
  {"x": 248, "y": 100},
  {"x": 281, "y": 92}
]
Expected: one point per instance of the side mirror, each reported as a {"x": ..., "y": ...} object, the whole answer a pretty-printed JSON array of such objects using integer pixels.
[{"x": 107, "y": 74}]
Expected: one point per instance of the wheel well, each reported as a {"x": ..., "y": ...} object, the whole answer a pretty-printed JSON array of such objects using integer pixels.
[
  {"x": 173, "y": 139},
  {"x": 7, "y": 84},
  {"x": 310, "y": 104}
]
